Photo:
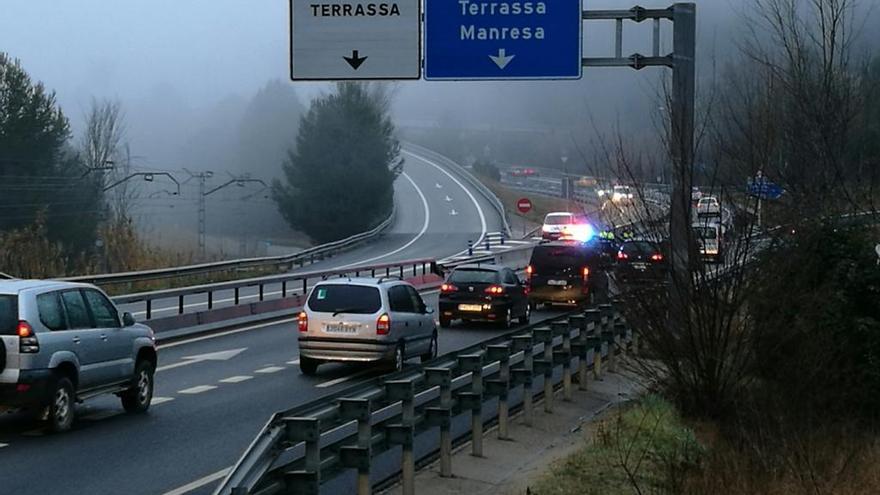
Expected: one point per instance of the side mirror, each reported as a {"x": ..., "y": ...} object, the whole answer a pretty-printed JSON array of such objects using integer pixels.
[
  {"x": 428, "y": 310},
  {"x": 127, "y": 319}
]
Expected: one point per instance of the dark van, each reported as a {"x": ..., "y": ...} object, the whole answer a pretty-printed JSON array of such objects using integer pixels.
[{"x": 570, "y": 273}]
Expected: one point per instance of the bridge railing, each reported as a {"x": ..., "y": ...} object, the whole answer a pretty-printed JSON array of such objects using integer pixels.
[{"x": 366, "y": 434}]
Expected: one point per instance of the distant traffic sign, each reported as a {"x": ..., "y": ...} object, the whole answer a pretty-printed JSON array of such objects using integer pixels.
[
  {"x": 502, "y": 39},
  {"x": 764, "y": 189},
  {"x": 524, "y": 205},
  {"x": 347, "y": 39}
]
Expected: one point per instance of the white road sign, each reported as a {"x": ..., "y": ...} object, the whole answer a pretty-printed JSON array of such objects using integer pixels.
[{"x": 346, "y": 39}]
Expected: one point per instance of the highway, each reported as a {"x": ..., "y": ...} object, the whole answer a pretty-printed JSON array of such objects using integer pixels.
[
  {"x": 426, "y": 196},
  {"x": 212, "y": 396},
  {"x": 214, "y": 392}
]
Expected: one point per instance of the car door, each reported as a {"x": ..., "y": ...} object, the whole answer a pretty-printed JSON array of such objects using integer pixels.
[
  {"x": 425, "y": 329},
  {"x": 403, "y": 321},
  {"x": 517, "y": 292},
  {"x": 85, "y": 339},
  {"x": 117, "y": 341}
]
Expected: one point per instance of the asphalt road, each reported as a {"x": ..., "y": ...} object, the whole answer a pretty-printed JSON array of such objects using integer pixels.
[
  {"x": 213, "y": 394},
  {"x": 426, "y": 196}
]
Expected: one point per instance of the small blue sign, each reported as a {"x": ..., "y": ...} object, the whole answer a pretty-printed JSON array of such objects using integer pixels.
[
  {"x": 763, "y": 189},
  {"x": 502, "y": 39}
]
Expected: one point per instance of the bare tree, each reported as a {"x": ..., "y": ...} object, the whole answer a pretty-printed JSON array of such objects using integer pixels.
[{"x": 105, "y": 152}]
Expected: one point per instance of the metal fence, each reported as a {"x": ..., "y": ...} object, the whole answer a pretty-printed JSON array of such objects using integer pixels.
[{"x": 378, "y": 430}]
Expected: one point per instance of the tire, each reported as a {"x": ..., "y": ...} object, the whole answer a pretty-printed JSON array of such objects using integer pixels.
[
  {"x": 2, "y": 355},
  {"x": 432, "y": 352},
  {"x": 308, "y": 366},
  {"x": 61, "y": 406},
  {"x": 524, "y": 319},
  {"x": 445, "y": 322},
  {"x": 507, "y": 322},
  {"x": 399, "y": 358},
  {"x": 138, "y": 398}
]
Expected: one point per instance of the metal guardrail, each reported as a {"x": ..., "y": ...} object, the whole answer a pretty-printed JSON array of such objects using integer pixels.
[
  {"x": 299, "y": 258},
  {"x": 469, "y": 177},
  {"x": 360, "y": 428},
  {"x": 290, "y": 283}
]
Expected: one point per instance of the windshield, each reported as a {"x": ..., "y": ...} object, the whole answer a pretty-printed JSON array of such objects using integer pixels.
[
  {"x": 559, "y": 220},
  {"x": 560, "y": 257},
  {"x": 355, "y": 299},
  {"x": 474, "y": 276},
  {"x": 8, "y": 314},
  {"x": 639, "y": 248}
]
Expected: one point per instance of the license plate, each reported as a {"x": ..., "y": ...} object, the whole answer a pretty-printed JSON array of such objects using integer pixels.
[
  {"x": 557, "y": 282},
  {"x": 470, "y": 307},
  {"x": 640, "y": 266},
  {"x": 340, "y": 328}
]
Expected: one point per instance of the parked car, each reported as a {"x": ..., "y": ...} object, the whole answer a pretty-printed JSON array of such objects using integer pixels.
[
  {"x": 365, "y": 320},
  {"x": 484, "y": 292},
  {"x": 565, "y": 272},
  {"x": 641, "y": 261},
  {"x": 62, "y": 343}
]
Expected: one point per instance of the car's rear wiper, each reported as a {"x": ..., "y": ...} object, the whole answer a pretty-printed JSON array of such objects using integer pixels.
[{"x": 346, "y": 310}]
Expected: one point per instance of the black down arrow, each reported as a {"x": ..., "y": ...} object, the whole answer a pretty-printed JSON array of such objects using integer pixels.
[{"x": 355, "y": 60}]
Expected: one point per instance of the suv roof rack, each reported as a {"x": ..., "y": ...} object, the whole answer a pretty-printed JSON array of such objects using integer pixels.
[{"x": 389, "y": 277}]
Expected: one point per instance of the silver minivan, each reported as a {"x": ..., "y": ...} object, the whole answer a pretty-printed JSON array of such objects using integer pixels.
[
  {"x": 365, "y": 320},
  {"x": 62, "y": 342}
]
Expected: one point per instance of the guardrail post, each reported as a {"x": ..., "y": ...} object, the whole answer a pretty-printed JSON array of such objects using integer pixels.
[
  {"x": 284, "y": 289},
  {"x": 306, "y": 430},
  {"x": 403, "y": 433},
  {"x": 470, "y": 248},
  {"x": 236, "y": 296},
  {"x": 305, "y": 286},
  {"x": 358, "y": 456},
  {"x": 502, "y": 238},
  {"x": 149, "y": 308},
  {"x": 544, "y": 335},
  {"x": 442, "y": 416},
  {"x": 545, "y": 367},
  {"x": 524, "y": 375},
  {"x": 563, "y": 357},
  {"x": 473, "y": 400},
  {"x": 620, "y": 336},
  {"x": 608, "y": 338},
  {"x": 562, "y": 329},
  {"x": 210, "y": 299},
  {"x": 488, "y": 245},
  {"x": 180, "y": 304},
  {"x": 261, "y": 292},
  {"x": 500, "y": 387}
]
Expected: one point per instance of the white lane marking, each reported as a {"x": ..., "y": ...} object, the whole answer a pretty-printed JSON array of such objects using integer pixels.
[
  {"x": 294, "y": 362},
  {"x": 466, "y": 190},
  {"x": 223, "y": 334},
  {"x": 236, "y": 379},
  {"x": 3, "y": 445},
  {"x": 411, "y": 241},
  {"x": 342, "y": 379},
  {"x": 211, "y": 356},
  {"x": 161, "y": 400},
  {"x": 269, "y": 369},
  {"x": 199, "y": 483},
  {"x": 197, "y": 389},
  {"x": 101, "y": 415}
]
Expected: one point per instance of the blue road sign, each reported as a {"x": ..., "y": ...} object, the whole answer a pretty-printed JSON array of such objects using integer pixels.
[
  {"x": 764, "y": 189},
  {"x": 502, "y": 39}
]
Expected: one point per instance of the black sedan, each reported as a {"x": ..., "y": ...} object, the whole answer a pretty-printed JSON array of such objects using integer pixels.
[{"x": 484, "y": 292}]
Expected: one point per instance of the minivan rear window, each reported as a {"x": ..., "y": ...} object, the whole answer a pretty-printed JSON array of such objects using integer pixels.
[
  {"x": 8, "y": 314},
  {"x": 639, "y": 247},
  {"x": 474, "y": 276},
  {"x": 559, "y": 220},
  {"x": 352, "y": 299},
  {"x": 559, "y": 257}
]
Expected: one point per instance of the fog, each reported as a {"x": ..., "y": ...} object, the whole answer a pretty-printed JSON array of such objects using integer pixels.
[{"x": 188, "y": 74}]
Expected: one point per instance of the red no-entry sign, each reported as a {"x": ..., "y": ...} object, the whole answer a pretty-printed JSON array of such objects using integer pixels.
[{"x": 524, "y": 205}]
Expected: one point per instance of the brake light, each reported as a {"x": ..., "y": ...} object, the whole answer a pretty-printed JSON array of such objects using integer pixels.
[
  {"x": 303, "y": 321},
  {"x": 530, "y": 270},
  {"x": 383, "y": 325},
  {"x": 27, "y": 340},
  {"x": 586, "y": 272},
  {"x": 621, "y": 255},
  {"x": 447, "y": 288},
  {"x": 494, "y": 290},
  {"x": 657, "y": 257}
]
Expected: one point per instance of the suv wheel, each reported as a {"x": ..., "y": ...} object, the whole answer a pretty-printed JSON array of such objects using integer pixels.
[
  {"x": 137, "y": 399},
  {"x": 432, "y": 351},
  {"x": 445, "y": 322},
  {"x": 527, "y": 315},
  {"x": 308, "y": 366},
  {"x": 508, "y": 319},
  {"x": 61, "y": 406}
]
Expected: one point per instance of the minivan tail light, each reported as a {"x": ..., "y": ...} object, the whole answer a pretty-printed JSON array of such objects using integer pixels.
[
  {"x": 657, "y": 257},
  {"x": 494, "y": 290},
  {"x": 383, "y": 325},
  {"x": 303, "y": 321},
  {"x": 447, "y": 288},
  {"x": 27, "y": 339},
  {"x": 585, "y": 272},
  {"x": 621, "y": 255}
]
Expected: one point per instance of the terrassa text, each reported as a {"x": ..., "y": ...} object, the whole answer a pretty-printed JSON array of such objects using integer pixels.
[
  {"x": 470, "y": 31},
  {"x": 354, "y": 9}
]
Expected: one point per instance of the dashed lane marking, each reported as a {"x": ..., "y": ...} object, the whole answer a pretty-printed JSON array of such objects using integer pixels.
[
  {"x": 196, "y": 390},
  {"x": 3, "y": 445},
  {"x": 161, "y": 400},
  {"x": 236, "y": 379},
  {"x": 228, "y": 332},
  {"x": 294, "y": 362},
  {"x": 270, "y": 369},
  {"x": 342, "y": 379}
]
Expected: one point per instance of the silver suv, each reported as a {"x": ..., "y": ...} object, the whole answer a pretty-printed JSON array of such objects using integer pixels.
[
  {"x": 62, "y": 343},
  {"x": 365, "y": 320}
]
